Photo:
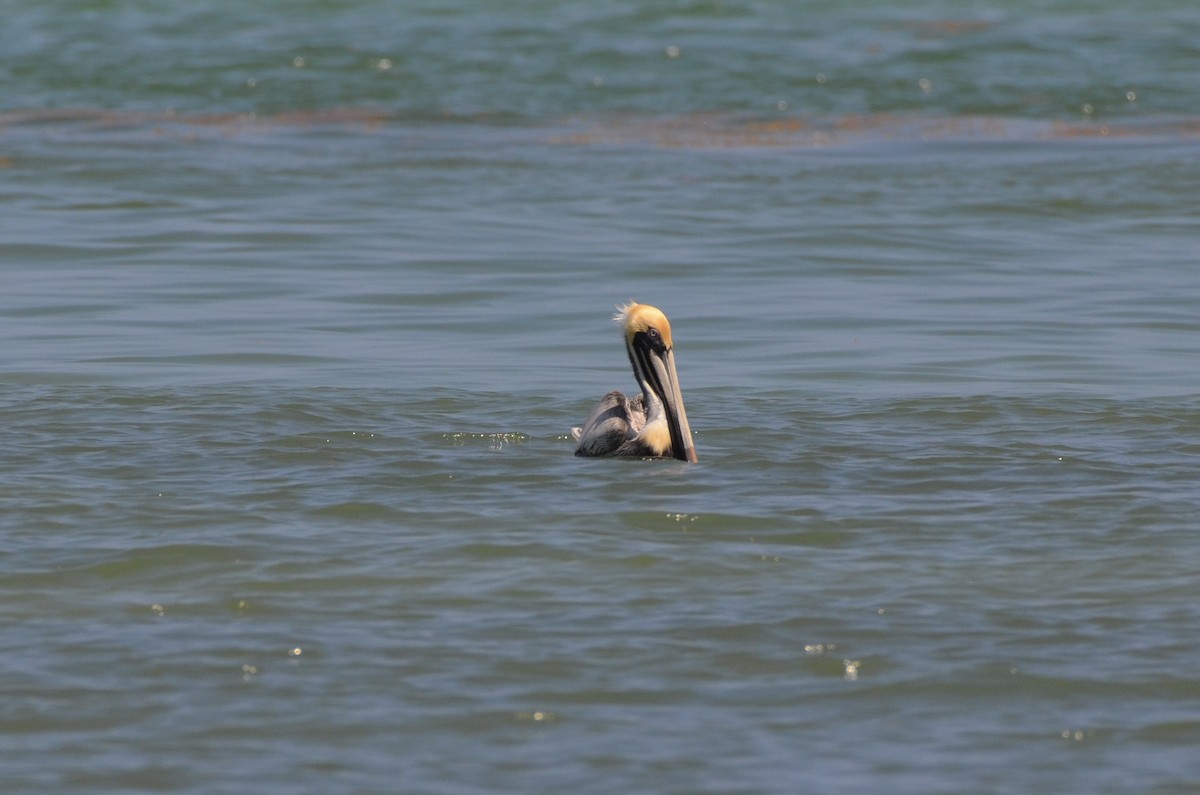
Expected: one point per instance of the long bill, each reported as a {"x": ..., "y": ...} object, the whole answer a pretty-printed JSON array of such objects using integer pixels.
[{"x": 666, "y": 384}]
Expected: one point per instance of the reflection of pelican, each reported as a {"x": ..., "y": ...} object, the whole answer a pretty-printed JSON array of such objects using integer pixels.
[{"x": 651, "y": 424}]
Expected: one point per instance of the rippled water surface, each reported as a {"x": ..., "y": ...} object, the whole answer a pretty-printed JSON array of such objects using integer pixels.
[{"x": 300, "y": 301}]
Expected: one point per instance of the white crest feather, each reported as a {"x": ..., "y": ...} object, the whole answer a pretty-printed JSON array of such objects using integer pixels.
[{"x": 623, "y": 312}]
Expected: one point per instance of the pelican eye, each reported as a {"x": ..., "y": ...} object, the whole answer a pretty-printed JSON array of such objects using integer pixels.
[{"x": 654, "y": 339}]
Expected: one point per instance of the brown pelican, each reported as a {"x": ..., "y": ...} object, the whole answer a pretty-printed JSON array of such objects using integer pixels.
[{"x": 654, "y": 423}]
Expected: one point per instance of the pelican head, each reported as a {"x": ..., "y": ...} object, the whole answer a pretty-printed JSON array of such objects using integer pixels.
[{"x": 652, "y": 355}]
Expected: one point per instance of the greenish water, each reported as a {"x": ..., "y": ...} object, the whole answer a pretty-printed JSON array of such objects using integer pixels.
[{"x": 301, "y": 299}]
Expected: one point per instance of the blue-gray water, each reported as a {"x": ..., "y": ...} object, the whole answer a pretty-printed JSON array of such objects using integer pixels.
[{"x": 299, "y": 300}]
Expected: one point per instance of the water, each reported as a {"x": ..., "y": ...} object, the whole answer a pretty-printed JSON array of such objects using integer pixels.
[{"x": 301, "y": 299}]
